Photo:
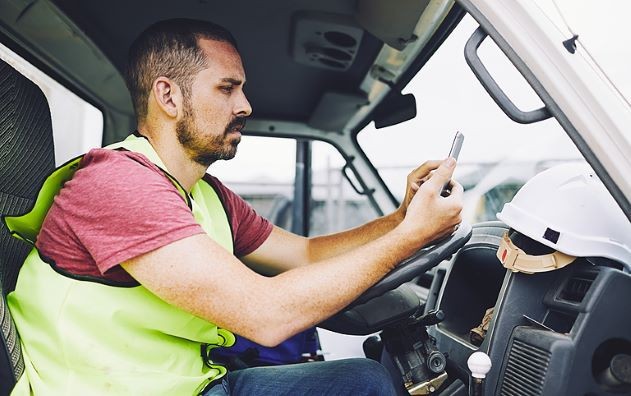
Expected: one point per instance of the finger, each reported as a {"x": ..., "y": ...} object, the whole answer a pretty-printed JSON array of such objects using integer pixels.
[
  {"x": 424, "y": 179},
  {"x": 441, "y": 175},
  {"x": 424, "y": 170}
]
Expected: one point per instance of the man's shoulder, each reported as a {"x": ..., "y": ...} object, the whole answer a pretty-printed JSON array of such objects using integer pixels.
[
  {"x": 106, "y": 170},
  {"x": 120, "y": 158}
]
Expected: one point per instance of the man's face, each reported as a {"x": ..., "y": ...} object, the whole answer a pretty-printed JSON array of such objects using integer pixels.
[{"x": 213, "y": 116}]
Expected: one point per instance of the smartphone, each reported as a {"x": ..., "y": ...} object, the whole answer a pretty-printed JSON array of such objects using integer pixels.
[
  {"x": 456, "y": 145},
  {"x": 454, "y": 152}
]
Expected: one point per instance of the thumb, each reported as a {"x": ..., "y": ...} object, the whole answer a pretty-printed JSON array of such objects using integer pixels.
[{"x": 441, "y": 175}]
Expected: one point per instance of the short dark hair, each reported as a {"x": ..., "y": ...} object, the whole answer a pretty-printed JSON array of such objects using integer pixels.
[{"x": 169, "y": 48}]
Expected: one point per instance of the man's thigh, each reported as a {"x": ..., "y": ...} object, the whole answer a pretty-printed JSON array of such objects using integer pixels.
[{"x": 337, "y": 377}]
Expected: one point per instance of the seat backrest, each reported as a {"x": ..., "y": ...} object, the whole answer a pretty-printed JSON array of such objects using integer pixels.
[{"x": 26, "y": 159}]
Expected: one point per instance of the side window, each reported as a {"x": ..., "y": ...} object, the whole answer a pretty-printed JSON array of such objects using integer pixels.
[
  {"x": 77, "y": 125},
  {"x": 264, "y": 172},
  {"x": 336, "y": 206}
]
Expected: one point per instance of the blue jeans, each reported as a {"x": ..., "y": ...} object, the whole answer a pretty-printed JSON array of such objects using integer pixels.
[{"x": 352, "y": 377}]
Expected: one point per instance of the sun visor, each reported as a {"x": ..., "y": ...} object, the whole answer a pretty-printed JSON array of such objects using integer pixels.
[
  {"x": 393, "y": 22},
  {"x": 335, "y": 109}
]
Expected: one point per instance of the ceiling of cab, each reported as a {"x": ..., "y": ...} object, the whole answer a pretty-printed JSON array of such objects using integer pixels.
[
  {"x": 281, "y": 84},
  {"x": 322, "y": 65}
]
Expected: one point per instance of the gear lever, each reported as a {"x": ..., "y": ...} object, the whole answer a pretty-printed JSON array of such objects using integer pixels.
[{"x": 479, "y": 364}]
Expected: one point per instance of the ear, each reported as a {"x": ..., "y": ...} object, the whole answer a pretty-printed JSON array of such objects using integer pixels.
[{"x": 167, "y": 95}]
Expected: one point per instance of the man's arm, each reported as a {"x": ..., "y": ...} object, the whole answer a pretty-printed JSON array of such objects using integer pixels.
[
  {"x": 199, "y": 276},
  {"x": 283, "y": 250}
]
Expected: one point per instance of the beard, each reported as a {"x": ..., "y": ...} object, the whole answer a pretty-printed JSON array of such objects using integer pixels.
[{"x": 205, "y": 149}]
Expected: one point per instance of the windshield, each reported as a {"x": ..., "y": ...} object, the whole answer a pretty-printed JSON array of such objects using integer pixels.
[
  {"x": 498, "y": 155},
  {"x": 607, "y": 46}
]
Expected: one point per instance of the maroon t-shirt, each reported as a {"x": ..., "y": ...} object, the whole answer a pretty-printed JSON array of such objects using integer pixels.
[{"x": 120, "y": 205}]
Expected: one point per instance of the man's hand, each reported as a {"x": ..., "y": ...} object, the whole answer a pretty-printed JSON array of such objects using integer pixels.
[
  {"x": 428, "y": 215},
  {"x": 414, "y": 180}
]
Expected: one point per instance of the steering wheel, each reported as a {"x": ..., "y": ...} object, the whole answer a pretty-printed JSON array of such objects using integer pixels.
[
  {"x": 391, "y": 300},
  {"x": 415, "y": 265}
]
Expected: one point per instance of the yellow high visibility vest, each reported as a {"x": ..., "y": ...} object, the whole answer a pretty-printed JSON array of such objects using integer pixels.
[{"x": 84, "y": 337}]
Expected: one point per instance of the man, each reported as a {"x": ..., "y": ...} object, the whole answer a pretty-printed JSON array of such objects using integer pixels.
[{"x": 143, "y": 260}]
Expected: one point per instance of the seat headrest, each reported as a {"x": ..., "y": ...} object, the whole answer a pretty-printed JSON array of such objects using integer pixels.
[{"x": 26, "y": 138}]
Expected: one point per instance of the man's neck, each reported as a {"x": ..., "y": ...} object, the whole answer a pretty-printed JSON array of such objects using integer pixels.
[{"x": 186, "y": 171}]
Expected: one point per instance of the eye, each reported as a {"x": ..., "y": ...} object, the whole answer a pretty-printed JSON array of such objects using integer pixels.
[{"x": 226, "y": 88}]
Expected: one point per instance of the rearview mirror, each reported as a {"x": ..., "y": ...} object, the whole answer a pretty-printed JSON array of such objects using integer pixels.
[{"x": 395, "y": 110}]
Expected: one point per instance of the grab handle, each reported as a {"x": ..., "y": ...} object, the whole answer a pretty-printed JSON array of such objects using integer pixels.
[{"x": 489, "y": 84}]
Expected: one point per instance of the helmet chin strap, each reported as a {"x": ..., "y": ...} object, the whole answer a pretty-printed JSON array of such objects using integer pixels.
[{"x": 517, "y": 260}]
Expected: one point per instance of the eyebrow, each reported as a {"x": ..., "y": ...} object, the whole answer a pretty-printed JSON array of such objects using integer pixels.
[{"x": 232, "y": 81}]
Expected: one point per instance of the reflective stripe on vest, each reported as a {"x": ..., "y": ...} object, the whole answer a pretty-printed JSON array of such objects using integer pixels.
[{"x": 82, "y": 336}]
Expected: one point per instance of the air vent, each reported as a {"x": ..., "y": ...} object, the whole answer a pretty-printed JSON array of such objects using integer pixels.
[
  {"x": 327, "y": 41},
  {"x": 526, "y": 370},
  {"x": 577, "y": 287}
]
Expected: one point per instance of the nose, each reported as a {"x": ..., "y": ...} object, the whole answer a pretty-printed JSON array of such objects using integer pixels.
[{"x": 242, "y": 107}]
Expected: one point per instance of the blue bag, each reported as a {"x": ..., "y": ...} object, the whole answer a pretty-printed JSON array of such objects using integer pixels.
[{"x": 302, "y": 347}]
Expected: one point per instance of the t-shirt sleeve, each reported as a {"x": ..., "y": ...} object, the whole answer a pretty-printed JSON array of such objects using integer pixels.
[
  {"x": 125, "y": 207},
  {"x": 249, "y": 229}
]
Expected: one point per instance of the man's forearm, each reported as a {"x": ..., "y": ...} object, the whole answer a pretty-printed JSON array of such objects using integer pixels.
[
  {"x": 303, "y": 297},
  {"x": 326, "y": 246}
]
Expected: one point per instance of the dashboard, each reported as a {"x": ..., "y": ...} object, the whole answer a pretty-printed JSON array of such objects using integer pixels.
[{"x": 554, "y": 333}]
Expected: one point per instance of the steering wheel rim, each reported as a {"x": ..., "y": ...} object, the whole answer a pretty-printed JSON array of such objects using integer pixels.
[{"x": 420, "y": 262}]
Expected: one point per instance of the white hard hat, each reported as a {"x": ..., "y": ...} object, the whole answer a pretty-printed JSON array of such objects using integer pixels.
[{"x": 568, "y": 209}]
